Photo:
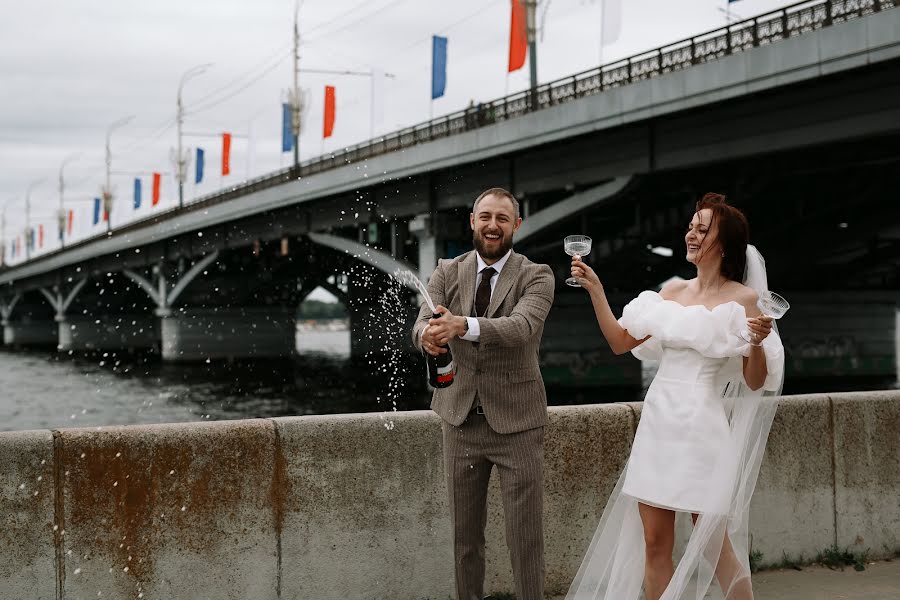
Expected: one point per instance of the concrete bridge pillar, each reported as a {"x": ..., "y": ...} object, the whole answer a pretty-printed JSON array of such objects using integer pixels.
[
  {"x": 113, "y": 332},
  {"x": 31, "y": 325},
  {"x": 191, "y": 333},
  {"x": 29, "y": 333},
  {"x": 379, "y": 318},
  {"x": 195, "y": 333},
  {"x": 108, "y": 332},
  {"x": 430, "y": 245}
]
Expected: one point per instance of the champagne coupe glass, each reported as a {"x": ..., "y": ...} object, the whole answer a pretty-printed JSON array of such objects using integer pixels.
[
  {"x": 772, "y": 305},
  {"x": 576, "y": 245}
]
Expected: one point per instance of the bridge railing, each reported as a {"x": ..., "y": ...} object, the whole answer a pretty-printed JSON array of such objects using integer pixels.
[{"x": 790, "y": 21}]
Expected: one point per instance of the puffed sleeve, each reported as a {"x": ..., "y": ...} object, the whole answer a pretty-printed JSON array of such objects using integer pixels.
[{"x": 635, "y": 319}]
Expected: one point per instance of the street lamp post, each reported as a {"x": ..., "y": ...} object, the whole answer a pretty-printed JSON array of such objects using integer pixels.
[
  {"x": 3, "y": 229},
  {"x": 180, "y": 158},
  {"x": 294, "y": 96},
  {"x": 107, "y": 192},
  {"x": 28, "y": 231},
  {"x": 61, "y": 215}
]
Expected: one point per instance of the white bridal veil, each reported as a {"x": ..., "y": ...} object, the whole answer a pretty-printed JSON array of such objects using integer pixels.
[{"x": 718, "y": 548}]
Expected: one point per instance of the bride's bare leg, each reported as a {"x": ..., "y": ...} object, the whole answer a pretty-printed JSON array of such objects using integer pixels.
[
  {"x": 659, "y": 539},
  {"x": 732, "y": 577}
]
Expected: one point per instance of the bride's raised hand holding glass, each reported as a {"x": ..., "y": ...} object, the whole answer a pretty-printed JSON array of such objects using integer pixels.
[
  {"x": 583, "y": 275},
  {"x": 773, "y": 306},
  {"x": 576, "y": 246}
]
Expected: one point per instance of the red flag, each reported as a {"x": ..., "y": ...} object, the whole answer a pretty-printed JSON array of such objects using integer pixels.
[
  {"x": 329, "y": 111},
  {"x": 226, "y": 153},
  {"x": 71, "y": 218},
  {"x": 518, "y": 36},
  {"x": 156, "y": 182},
  {"x": 40, "y": 236}
]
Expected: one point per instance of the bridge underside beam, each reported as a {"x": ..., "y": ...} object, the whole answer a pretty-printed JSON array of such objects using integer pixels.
[{"x": 573, "y": 205}]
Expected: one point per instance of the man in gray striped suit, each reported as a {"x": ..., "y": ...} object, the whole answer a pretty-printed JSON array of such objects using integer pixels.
[{"x": 496, "y": 409}]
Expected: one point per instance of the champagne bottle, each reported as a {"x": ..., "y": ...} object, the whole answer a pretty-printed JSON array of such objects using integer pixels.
[{"x": 441, "y": 368}]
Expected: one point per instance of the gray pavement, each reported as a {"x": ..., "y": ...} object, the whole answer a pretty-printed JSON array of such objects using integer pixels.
[{"x": 880, "y": 581}]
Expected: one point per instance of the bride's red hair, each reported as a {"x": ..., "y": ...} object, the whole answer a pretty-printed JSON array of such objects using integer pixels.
[{"x": 733, "y": 234}]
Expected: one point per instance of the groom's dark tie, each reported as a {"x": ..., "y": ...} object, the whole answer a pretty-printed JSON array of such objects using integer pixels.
[{"x": 483, "y": 293}]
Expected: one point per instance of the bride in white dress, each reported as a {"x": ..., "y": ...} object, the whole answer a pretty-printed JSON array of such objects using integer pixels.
[{"x": 703, "y": 426}]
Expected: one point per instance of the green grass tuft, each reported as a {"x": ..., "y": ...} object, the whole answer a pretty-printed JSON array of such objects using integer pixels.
[
  {"x": 755, "y": 560},
  {"x": 835, "y": 558}
]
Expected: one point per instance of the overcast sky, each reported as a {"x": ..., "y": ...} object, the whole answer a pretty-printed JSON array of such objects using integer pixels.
[{"x": 70, "y": 68}]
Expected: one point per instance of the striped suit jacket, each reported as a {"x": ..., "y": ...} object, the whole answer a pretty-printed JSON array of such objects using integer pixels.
[{"x": 503, "y": 366}]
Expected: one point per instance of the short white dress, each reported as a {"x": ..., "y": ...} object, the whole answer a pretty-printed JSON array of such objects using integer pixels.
[{"x": 684, "y": 424}]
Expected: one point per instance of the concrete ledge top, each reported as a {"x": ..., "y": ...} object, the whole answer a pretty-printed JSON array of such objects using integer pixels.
[{"x": 380, "y": 418}]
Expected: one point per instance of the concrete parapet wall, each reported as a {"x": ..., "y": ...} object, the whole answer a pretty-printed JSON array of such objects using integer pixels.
[{"x": 355, "y": 507}]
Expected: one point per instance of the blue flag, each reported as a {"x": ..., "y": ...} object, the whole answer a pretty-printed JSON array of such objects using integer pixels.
[
  {"x": 438, "y": 66},
  {"x": 287, "y": 132},
  {"x": 198, "y": 175},
  {"x": 96, "y": 210},
  {"x": 137, "y": 193}
]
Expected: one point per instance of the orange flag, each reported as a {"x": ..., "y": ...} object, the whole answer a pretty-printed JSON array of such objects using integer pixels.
[
  {"x": 71, "y": 218},
  {"x": 156, "y": 182},
  {"x": 329, "y": 111},
  {"x": 40, "y": 236},
  {"x": 518, "y": 36},
  {"x": 226, "y": 153}
]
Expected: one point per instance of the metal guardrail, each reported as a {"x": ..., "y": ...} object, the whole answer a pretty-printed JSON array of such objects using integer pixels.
[{"x": 762, "y": 30}]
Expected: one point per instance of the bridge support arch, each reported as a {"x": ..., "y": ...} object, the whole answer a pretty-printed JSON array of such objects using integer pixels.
[
  {"x": 31, "y": 325},
  {"x": 197, "y": 332},
  {"x": 372, "y": 332}
]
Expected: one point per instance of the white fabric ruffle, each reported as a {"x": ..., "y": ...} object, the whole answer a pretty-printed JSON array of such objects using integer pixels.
[{"x": 713, "y": 333}]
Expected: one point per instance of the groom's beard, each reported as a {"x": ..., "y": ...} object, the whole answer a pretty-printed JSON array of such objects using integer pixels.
[{"x": 495, "y": 250}]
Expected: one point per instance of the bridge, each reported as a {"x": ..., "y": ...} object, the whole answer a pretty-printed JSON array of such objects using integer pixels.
[{"x": 794, "y": 114}]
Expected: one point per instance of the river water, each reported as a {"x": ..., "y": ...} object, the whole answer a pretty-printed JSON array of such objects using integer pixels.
[{"x": 46, "y": 390}]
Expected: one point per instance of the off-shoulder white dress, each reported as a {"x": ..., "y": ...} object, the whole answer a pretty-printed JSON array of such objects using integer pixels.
[{"x": 684, "y": 425}]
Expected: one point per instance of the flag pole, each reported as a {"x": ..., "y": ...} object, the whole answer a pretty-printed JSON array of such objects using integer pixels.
[{"x": 372, "y": 106}]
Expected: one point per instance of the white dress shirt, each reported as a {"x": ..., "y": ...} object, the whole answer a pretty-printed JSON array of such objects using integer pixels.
[{"x": 474, "y": 332}]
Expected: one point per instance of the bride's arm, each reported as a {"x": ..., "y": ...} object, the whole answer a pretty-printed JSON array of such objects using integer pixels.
[
  {"x": 755, "y": 369},
  {"x": 620, "y": 341}
]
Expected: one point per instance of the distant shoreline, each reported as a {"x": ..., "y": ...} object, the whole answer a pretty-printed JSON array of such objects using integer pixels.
[{"x": 323, "y": 325}]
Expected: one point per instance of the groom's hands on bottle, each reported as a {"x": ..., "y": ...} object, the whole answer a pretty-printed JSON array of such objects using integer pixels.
[
  {"x": 585, "y": 275},
  {"x": 441, "y": 330}
]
